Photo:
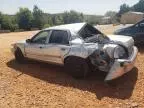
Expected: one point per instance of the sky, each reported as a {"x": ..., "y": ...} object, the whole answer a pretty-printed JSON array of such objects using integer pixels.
[{"x": 96, "y": 7}]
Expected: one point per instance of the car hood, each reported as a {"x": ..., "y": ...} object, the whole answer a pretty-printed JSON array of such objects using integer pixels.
[
  {"x": 125, "y": 40},
  {"x": 125, "y": 27},
  {"x": 123, "y": 30}
]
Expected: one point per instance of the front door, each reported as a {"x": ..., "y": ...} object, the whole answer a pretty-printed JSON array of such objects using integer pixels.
[{"x": 34, "y": 49}]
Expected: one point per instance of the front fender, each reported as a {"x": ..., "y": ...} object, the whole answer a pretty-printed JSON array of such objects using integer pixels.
[{"x": 21, "y": 47}]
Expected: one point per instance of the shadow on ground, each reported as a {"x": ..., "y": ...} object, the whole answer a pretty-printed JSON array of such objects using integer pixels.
[
  {"x": 141, "y": 48},
  {"x": 122, "y": 88}
]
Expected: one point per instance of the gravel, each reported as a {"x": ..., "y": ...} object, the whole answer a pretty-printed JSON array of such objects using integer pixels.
[{"x": 41, "y": 85}]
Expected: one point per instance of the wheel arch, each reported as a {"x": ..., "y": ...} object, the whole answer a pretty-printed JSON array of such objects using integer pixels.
[
  {"x": 77, "y": 66},
  {"x": 21, "y": 48}
]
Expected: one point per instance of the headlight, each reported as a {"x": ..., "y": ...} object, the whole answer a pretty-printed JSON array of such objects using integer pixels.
[{"x": 119, "y": 52}]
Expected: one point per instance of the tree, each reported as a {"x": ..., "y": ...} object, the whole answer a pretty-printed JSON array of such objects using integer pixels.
[
  {"x": 139, "y": 7},
  {"x": 6, "y": 23},
  {"x": 75, "y": 17},
  {"x": 47, "y": 19},
  {"x": 123, "y": 9},
  {"x": 38, "y": 19},
  {"x": 24, "y": 18},
  {"x": 0, "y": 19},
  {"x": 66, "y": 17},
  {"x": 72, "y": 17},
  {"x": 93, "y": 19},
  {"x": 58, "y": 19},
  {"x": 110, "y": 14}
]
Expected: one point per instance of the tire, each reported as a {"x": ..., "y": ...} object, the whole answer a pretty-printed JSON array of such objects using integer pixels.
[
  {"x": 19, "y": 57},
  {"x": 77, "y": 67}
]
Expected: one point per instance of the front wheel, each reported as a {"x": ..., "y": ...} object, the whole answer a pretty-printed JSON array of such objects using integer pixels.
[
  {"x": 77, "y": 67},
  {"x": 19, "y": 56}
]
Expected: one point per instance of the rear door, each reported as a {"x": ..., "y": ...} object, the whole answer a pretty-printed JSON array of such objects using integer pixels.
[{"x": 58, "y": 46}]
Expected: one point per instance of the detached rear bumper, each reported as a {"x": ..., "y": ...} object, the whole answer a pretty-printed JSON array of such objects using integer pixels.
[{"x": 122, "y": 66}]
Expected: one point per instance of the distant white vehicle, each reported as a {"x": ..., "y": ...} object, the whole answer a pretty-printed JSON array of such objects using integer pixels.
[{"x": 81, "y": 48}]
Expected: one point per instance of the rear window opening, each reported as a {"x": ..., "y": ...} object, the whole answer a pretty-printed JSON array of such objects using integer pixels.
[{"x": 88, "y": 31}]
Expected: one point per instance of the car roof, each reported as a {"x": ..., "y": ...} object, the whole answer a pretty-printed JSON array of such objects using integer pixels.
[{"x": 73, "y": 28}]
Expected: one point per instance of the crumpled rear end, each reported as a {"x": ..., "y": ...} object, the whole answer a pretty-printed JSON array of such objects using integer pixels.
[{"x": 122, "y": 66}]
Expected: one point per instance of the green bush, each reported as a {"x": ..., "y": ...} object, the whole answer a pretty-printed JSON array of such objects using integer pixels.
[
  {"x": 24, "y": 18},
  {"x": 14, "y": 27},
  {"x": 46, "y": 25}
]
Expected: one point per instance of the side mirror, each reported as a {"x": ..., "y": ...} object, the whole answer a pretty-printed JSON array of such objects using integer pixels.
[{"x": 28, "y": 41}]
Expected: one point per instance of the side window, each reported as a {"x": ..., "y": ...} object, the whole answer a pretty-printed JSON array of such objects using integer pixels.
[
  {"x": 141, "y": 24},
  {"x": 59, "y": 37},
  {"x": 89, "y": 31},
  {"x": 41, "y": 37}
]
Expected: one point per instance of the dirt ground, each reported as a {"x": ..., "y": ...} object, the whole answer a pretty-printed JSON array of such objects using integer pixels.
[{"x": 41, "y": 85}]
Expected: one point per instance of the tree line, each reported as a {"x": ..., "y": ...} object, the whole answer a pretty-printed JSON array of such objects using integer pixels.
[
  {"x": 26, "y": 19},
  {"x": 138, "y": 7}
]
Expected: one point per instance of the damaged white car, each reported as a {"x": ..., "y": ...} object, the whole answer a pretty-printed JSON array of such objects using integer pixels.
[{"x": 81, "y": 48}]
